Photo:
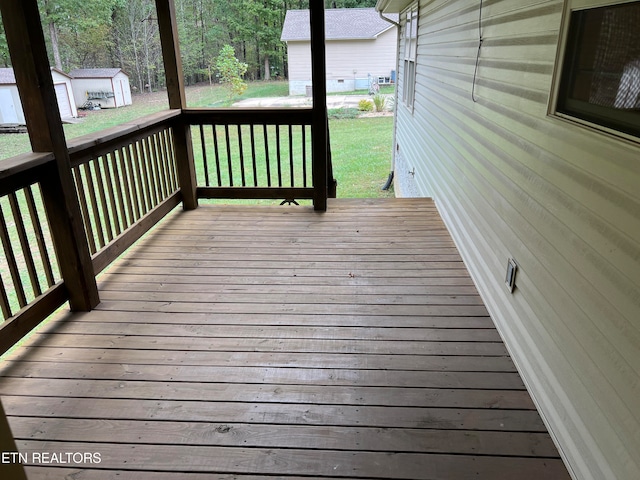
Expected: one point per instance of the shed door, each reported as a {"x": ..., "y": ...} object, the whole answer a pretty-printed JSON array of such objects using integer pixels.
[
  {"x": 8, "y": 111},
  {"x": 63, "y": 100}
]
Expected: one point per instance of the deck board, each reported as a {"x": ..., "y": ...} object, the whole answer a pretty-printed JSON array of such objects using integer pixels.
[{"x": 277, "y": 342}]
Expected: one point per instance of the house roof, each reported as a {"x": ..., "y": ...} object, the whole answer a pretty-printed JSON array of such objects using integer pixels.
[
  {"x": 340, "y": 24},
  {"x": 95, "y": 72},
  {"x": 7, "y": 77}
]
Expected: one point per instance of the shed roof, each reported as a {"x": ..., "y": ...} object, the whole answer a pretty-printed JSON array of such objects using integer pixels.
[
  {"x": 95, "y": 72},
  {"x": 8, "y": 77},
  {"x": 340, "y": 24}
]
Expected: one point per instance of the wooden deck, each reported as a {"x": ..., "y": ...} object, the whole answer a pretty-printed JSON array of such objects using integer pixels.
[{"x": 253, "y": 342}]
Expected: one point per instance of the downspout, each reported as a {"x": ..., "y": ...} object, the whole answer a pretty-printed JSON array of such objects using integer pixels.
[{"x": 387, "y": 185}]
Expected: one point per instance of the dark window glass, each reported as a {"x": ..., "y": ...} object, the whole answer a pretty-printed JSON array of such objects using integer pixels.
[{"x": 600, "y": 79}]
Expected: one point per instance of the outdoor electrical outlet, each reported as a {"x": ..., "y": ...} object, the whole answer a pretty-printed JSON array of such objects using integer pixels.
[{"x": 510, "y": 280}]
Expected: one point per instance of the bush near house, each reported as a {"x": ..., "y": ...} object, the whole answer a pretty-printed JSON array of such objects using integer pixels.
[{"x": 365, "y": 106}]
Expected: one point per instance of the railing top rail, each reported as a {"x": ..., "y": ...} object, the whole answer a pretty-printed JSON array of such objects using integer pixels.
[
  {"x": 23, "y": 162},
  {"x": 249, "y": 116},
  {"x": 22, "y": 170},
  {"x": 83, "y": 149},
  {"x": 116, "y": 134}
]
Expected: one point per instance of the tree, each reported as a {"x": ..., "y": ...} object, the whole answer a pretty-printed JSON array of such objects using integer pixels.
[
  {"x": 79, "y": 31},
  {"x": 231, "y": 71},
  {"x": 137, "y": 44},
  {"x": 5, "y": 61}
]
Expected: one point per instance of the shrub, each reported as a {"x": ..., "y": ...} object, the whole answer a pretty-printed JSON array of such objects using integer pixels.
[
  {"x": 365, "y": 106},
  {"x": 380, "y": 102},
  {"x": 231, "y": 71}
]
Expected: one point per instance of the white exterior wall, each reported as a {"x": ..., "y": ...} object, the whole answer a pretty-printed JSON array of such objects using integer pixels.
[
  {"x": 562, "y": 199},
  {"x": 122, "y": 89},
  {"x": 58, "y": 79},
  {"x": 119, "y": 85},
  {"x": 10, "y": 106},
  {"x": 346, "y": 61},
  {"x": 83, "y": 85}
]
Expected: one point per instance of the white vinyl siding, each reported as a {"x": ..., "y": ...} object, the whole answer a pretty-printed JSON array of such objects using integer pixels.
[
  {"x": 347, "y": 60},
  {"x": 64, "y": 103},
  {"x": 118, "y": 87},
  {"x": 562, "y": 199}
]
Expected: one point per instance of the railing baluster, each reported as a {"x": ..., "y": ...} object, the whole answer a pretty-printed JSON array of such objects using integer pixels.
[
  {"x": 152, "y": 171},
  {"x": 11, "y": 261},
  {"x": 4, "y": 300},
  {"x": 266, "y": 154},
  {"x": 164, "y": 163},
  {"x": 162, "y": 183},
  {"x": 291, "y": 167},
  {"x": 304, "y": 155},
  {"x": 253, "y": 156},
  {"x": 24, "y": 244},
  {"x": 216, "y": 153},
  {"x": 111, "y": 195},
  {"x": 278, "y": 155},
  {"x": 241, "y": 151},
  {"x": 204, "y": 156},
  {"x": 136, "y": 178},
  {"x": 229, "y": 164},
  {"x": 94, "y": 204},
  {"x": 118, "y": 187},
  {"x": 103, "y": 200},
  {"x": 125, "y": 183},
  {"x": 39, "y": 234},
  {"x": 142, "y": 165},
  {"x": 172, "y": 161}
]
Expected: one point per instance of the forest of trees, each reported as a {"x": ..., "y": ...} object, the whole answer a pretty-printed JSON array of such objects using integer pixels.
[{"x": 124, "y": 34}]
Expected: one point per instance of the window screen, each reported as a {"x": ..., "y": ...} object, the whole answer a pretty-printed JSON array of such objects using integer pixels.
[{"x": 600, "y": 80}]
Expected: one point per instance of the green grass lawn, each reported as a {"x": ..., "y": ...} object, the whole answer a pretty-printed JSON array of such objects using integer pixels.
[{"x": 361, "y": 147}]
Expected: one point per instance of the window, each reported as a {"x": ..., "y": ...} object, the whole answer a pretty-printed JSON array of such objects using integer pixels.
[
  {"x": 410, "y": 47},
  {"x": 600, "y": 76}
]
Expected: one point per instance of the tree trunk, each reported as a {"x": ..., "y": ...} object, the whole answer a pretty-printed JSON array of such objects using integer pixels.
[
  {"x": 54, "y": 45},
  {"x": 267, "y": 68}
]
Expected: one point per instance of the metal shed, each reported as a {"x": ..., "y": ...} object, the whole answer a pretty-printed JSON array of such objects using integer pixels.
[
  {"x": 11, "y": 108},
  {"x": 107, "y": 87}
]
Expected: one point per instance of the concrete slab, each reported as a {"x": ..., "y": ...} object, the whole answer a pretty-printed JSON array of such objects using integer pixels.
[{"x": 333, "y": 101}]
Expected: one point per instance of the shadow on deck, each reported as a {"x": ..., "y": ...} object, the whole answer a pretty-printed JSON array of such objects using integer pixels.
[{"x": 262, "y": 342}]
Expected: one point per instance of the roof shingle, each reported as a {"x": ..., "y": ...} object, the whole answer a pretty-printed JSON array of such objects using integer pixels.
[
  {"x": 94, "y": 72},
  {"x": 340, "y": 24},
  {"x": 7, "y": 76}
]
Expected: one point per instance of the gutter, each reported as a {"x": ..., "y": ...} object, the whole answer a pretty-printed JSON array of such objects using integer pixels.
[
  {"x": 393, "y": 22},
  {"x": 387, "y": 185}
]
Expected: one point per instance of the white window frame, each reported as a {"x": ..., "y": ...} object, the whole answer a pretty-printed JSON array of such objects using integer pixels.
[
  {"x": 571, "y": 6},
  {"x": 410, "y": 55}
]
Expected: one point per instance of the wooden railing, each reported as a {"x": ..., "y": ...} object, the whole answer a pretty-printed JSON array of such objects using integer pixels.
[
  {"x": 126, "y": 180},
  {"x": 28, "y": 267},
  {"x": 242, "y": 153}
]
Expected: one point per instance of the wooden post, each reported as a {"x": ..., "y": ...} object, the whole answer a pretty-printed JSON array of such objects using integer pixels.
[
  {"x": 319, "y": 122},
  {"x": 12, "y": 468},
  {"x": 168, "y": 26},
  {"x": 33, "y": 77}
]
